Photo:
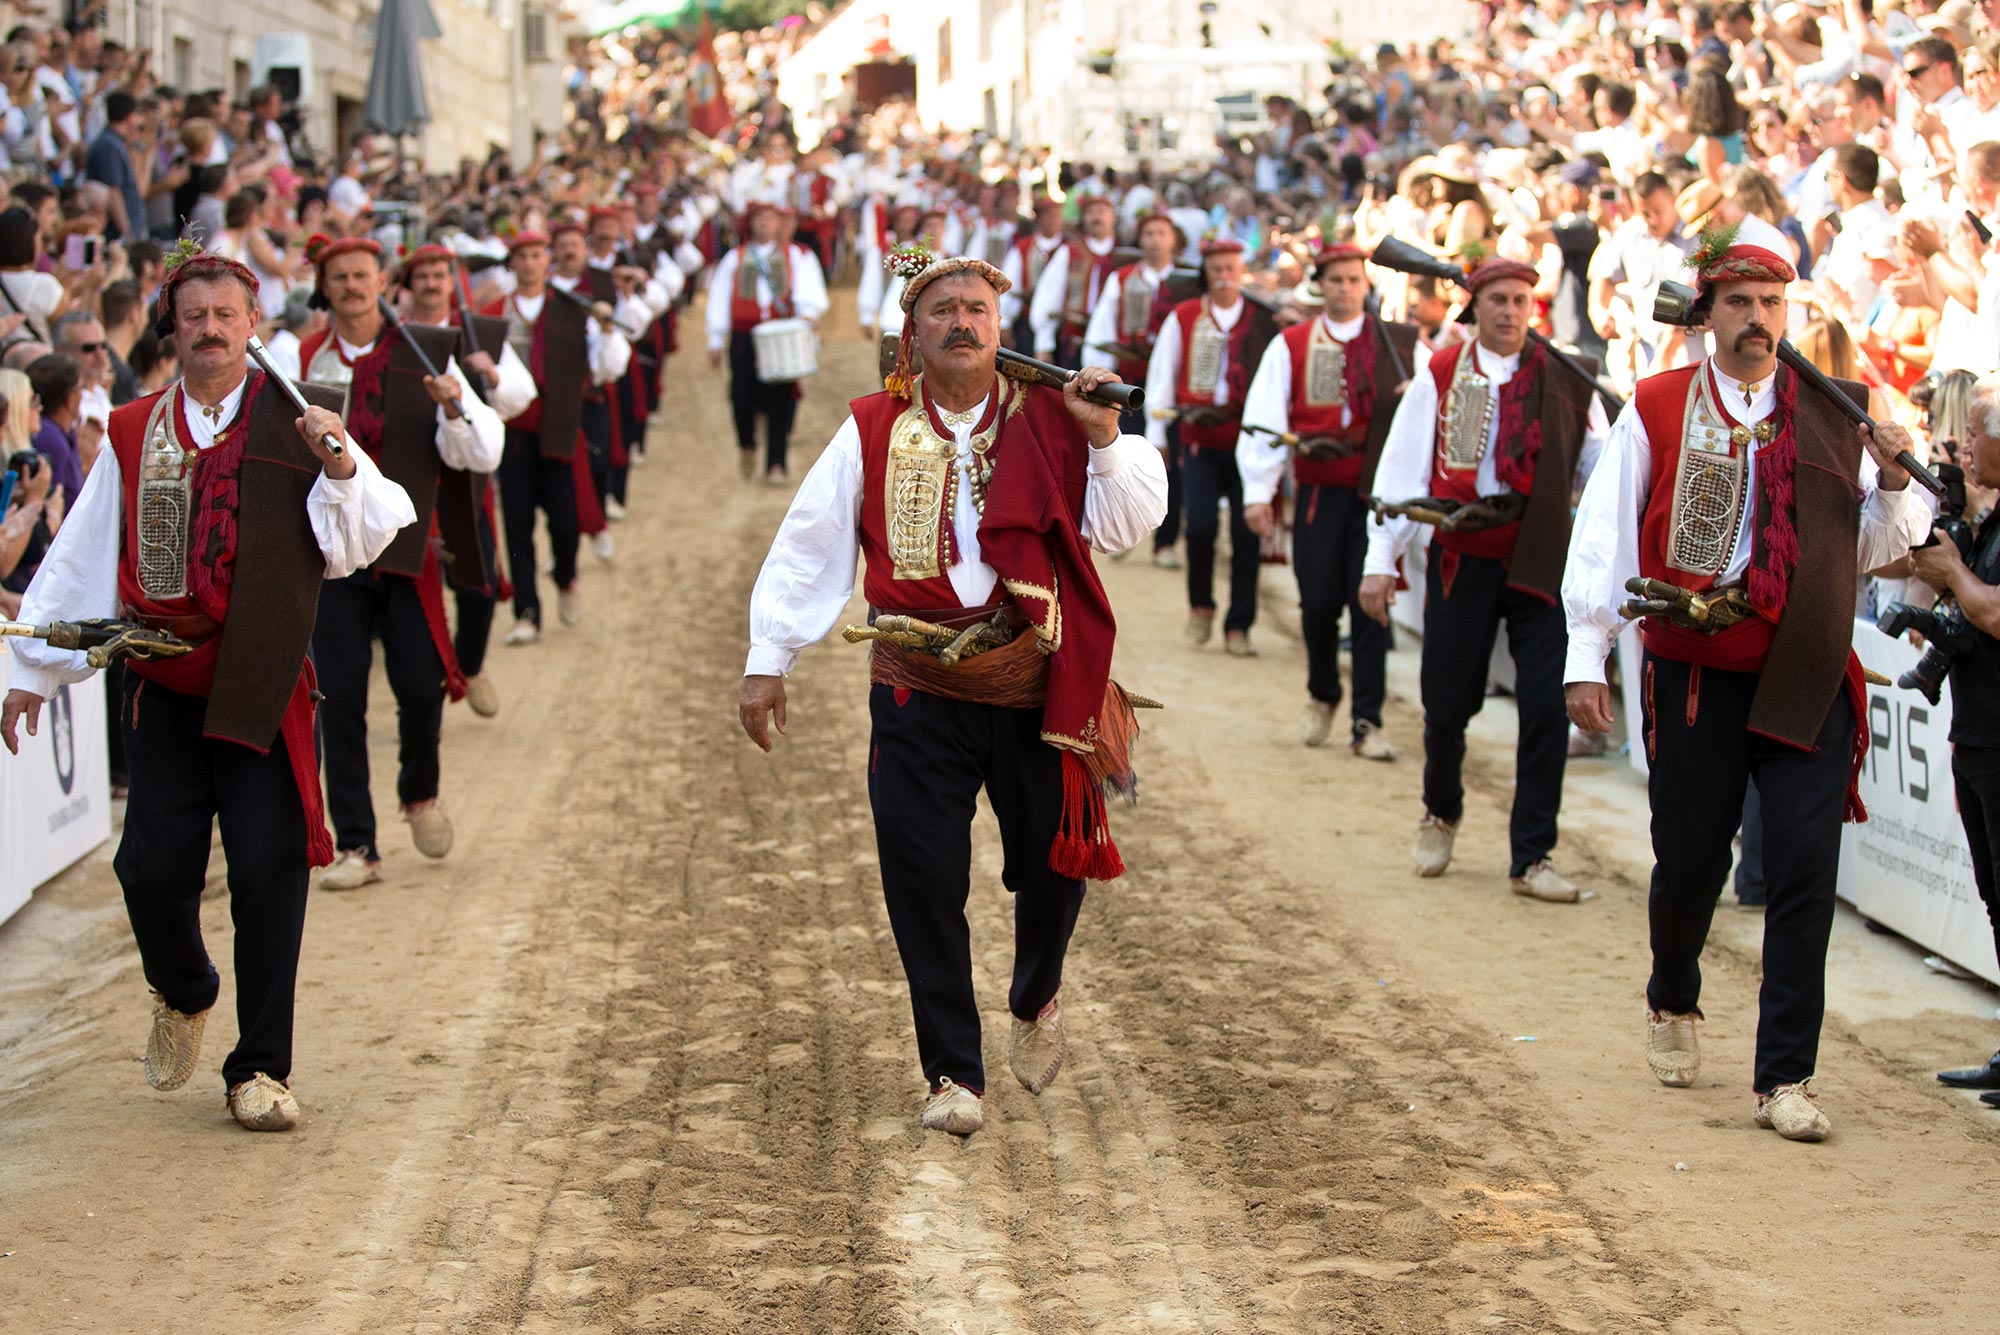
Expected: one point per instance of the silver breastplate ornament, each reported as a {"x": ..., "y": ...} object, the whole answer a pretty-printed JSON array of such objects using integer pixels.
[
  {"x": 166, "y": 498},
  {"x": 1466, "y": 418},
  {"x": 1709, "y": 484},
  {"x": 1208, "y": 353}
]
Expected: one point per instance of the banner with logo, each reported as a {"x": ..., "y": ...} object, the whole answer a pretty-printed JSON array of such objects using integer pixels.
[
  {"x": 1907, "y": 866},
  {"x": 55, "y": 797}
]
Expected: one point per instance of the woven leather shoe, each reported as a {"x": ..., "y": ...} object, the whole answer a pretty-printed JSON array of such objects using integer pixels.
[
  {"x": 1974, "y": 1077},
  {"x": 482, "y": 695},
  {"x": 1790, "y": 1111},
  {"x": 430, "y": 828},
  {"x": 174, "y": 1046},
  {"x": 1201, "y": 625},
  {"x": 350, "y": 871},
  {"x": 1542, "y": 881},
  {"x": 1431, "y": 853},
  {"x": 1370, "y": 744},
  {"x": 263, "y": 1104},
  {"x": 569, "y": 605},
  {"x": 1316, "y": 724},
  {"x": 1236, "y": 643},
  {"x": 953, "y": 1108},
  {"x": 1672, "y": 1049},
  {"x": 1036, "y": 1051}
]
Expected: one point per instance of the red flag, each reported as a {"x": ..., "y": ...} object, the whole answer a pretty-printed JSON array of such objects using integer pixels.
[{"x": 708, "y": 109}]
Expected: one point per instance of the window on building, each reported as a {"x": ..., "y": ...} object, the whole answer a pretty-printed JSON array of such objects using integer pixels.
[
  {"x": 986, "y": 8},
  {"x": 992, "y": 117},
  {"x": 535, "y": 35},
  {"x": 183, "y": 63},
  {"x": 944, "y": 52},
  {"x": 239, "y": 79}
]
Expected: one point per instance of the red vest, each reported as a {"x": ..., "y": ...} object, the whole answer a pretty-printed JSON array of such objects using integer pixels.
[
  {"x": 1462, "y": 484},
  {"x": 1087, "y": 272},
  {"x": 745, "y": 311},
  {"x": 1135, "y": 333},
  {"x": 1323, "y": 419},
  {"x": 1033, "y": 260},
  {"x": 1221, "y": 436}
]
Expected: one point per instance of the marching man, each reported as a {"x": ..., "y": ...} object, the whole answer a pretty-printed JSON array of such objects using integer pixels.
[
  {"x": 1334, "y": 382},
  {"x": 1009, "y": 488},
  {"x": 1732, "y": 480},
  {"x": 1200, "y": 370},
  {"x": 215, "y": 515},
  {"x": 566, "y": 348},
  {"x": 1067, "y": 292},
  {"x": 764, "y": 279},
  {"x": 1123, "y": 327},
  {"x": 1496, "y": 425},
  {"x": 437, "y": 441},
  {"x": 501, "y": 379}
]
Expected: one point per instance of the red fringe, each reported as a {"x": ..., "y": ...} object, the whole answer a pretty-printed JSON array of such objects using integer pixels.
[
  {"x": 1083, "y": 849},
  {"x": 1359, "y": 382},
  {"x": 1777, "y": 468},
  {"x": 301, "y": 750},
  {"x": 1854, "y": 813},
  {"x": 1518, "y": 439},
  {"x": 430, "y": 596}
]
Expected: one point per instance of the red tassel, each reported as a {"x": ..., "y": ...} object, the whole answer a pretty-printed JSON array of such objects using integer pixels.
[
  {"x": 1083, "y": 849},
  {"x": 1854, "y": 812}
]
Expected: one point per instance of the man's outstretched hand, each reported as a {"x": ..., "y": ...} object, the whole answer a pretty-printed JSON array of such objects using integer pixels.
[{"x": 759, "y": 704}]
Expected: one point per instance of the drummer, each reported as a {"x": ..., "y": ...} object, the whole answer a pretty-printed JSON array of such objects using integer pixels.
[{"x": 756, "y": 283}]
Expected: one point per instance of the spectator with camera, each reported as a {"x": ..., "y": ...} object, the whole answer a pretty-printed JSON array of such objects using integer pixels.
[{"x": 1970, "y": 583}]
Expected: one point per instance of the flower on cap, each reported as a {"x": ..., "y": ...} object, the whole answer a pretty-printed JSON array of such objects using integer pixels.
[{"x": 1719, "y": 257}]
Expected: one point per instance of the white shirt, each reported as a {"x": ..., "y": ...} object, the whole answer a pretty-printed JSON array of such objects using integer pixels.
[
  {"x": 1012, "y": 300},
  {"x": 1163, "y": 372},
  {"x": 284, "y": 349},
  {"x": 353, "y": 521},
  {"x": 1404, "y": 471},
  {"x": 643, "y": 307},
  {"x": 809, "y": 300},
  {"x": 1639, "y": 262},
  {"x": 1604, "y": 540},
  {"x": 1268, "y": 403},
  {"x": 1045, "y": 311},
  {"x": 1846, "y": 265},
  {"x": 809, "y": 575},
  {"x": 471, "y": 443},
  {"x": 1103, "y": 327},
  {"x": 515, "y": 386}
]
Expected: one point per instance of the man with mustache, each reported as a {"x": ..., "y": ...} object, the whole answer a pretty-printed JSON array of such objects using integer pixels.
[
  {"x": 1493, "y": 423},
  {"x": 1730, "y": 475},
  {"x": 499, "y": 377},
  {"x": 975, "y": 501},
  {"x": 216, "y": 514},
  {"x": 438, "y": 441}
]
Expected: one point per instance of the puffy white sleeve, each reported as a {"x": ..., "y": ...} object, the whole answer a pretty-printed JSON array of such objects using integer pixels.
[
  {"x": 671, "y": 278},
  {"x": 1010, "y": 301},
  {"x": 1125, "y": 497},
  {"x": 1045, "y": 309},
  {"x": 514, "y": 388},
  {"x": 355, "y": 519},
  {"x": 809, "y": 300},
  {"x": 868, "y": 297},
  {"x": 809, "y": 574},
  {"x": 1103, "y": 326},
  {"x": 609, "y": 352},
  {"x": 1604, "y": 546},
  {"x": 473, "y": 441},
  {"x": 716, "y": 317},
  {"x": 77, "y": 580},
  {"x": 1162, "y": 372},
  {"x": 1260, "y": 458},
  {"x": 1403, "y": 472},
  {"x": 1892, "y": 522}
]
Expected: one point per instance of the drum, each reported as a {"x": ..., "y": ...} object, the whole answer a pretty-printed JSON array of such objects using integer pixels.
[{"x": 786, "y": 350}]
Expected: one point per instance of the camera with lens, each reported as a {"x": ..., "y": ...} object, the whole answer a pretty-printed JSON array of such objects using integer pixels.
[{"x": 1946, "y": 635}]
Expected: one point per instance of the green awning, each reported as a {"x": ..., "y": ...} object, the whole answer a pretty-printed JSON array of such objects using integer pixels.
[{"x": 648, "y": 14}]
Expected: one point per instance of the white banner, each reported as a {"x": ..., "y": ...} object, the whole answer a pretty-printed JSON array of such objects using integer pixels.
[
  {"x": 1907, "y": 866},
  {"x": 55, "y": 797}
]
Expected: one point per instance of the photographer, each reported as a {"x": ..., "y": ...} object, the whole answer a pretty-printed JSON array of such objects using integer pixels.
[{"x": 1975, "y": 682}]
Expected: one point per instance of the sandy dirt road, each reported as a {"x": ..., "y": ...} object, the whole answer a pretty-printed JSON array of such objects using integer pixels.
[{"x": 636, "y": 1057}]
